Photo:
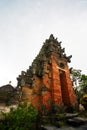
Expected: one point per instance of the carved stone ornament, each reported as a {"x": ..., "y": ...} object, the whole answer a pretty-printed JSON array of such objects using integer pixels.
[{"x": 62, "y": 65}]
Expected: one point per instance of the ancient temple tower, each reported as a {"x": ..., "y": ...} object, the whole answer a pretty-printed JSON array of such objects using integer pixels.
[{"x": 48, "y": 80}]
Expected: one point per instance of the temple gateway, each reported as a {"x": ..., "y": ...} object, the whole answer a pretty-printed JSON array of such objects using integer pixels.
[{"x": 47, "y": 81}]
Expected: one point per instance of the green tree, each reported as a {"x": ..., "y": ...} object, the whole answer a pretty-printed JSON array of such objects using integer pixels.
[
  {"x": 79, "y": 83},
  {"x": 75, "y": 76},
  {"x": 22, "y": 118},
  {"x": 84, "y": 83}
]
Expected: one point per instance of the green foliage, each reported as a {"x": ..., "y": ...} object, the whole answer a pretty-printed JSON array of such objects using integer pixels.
[
  {"x": 83, "y": 101},
  {"x": 58, "y": 109},
  {"x": 79, "y": 82},
  {"x": 84, "y": 83},
  {"x": 75, "y": 76},
  {"x": 22, "y": 118}
]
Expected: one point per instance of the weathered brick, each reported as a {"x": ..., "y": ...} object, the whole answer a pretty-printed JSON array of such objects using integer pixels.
[{"x": 53, "y": 83}]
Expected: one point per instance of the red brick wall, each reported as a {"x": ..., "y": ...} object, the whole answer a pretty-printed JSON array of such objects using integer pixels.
[{"x": 57, "y": 82}]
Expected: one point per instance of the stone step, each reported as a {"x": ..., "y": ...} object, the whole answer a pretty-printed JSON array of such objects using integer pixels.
[
  {"x": 77, "y": 121},
  {"x": 71, "y": 115}
]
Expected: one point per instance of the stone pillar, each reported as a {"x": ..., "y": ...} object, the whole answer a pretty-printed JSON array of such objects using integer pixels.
[
  {"x": 56, "y": 86},
  {"x": 71, "y": 94}
]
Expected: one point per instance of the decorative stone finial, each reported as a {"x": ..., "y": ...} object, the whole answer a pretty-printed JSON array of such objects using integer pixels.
[{"x": 51, "y": 37}]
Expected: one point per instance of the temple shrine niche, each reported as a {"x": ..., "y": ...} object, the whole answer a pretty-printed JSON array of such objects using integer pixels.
[{"x": 48, "y": 80}]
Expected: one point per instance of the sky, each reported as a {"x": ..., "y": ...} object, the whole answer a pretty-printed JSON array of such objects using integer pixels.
[{"x": 26, "y": 24}]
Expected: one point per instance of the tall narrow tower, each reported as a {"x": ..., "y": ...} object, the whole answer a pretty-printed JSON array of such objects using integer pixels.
[{"x": 49, "y": 77}]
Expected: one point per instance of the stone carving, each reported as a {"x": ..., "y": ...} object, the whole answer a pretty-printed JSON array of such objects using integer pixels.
[{"x": 48, "y": 76}]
